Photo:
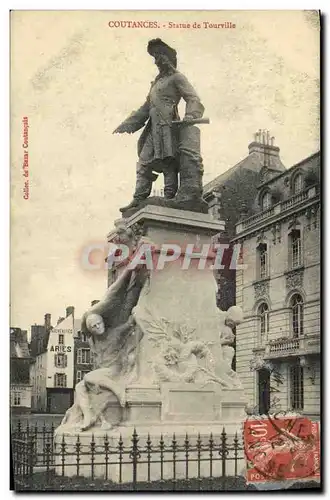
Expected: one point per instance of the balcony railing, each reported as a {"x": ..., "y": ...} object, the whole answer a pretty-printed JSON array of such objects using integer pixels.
[
  {"x": 299, "y": 346},
  {"x": 276, "y": 209},
  {"x": 258, "y": 217},
  {"x": 294, "y": 200}
]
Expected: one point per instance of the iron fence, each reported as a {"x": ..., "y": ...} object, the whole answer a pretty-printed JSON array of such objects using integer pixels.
[{"x": 121, "y": 460}]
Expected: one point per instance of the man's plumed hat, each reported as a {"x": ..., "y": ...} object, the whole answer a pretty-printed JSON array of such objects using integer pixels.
[{"x": 158, "y": 46}]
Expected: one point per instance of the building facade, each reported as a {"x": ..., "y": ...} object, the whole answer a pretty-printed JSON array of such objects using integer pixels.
[
  {"x": 231, "y": 195},
  {"x": 52, "y": 369},
  {"x": 278, "y": 344},
  {"x": 59, "y": 366},
  {"x": 61, "y": 356},
  {"x": 83, "y": 357},
  {"x": 20, "y": 386}
]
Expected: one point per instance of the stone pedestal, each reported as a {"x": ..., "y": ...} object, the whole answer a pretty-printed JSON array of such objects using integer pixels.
[{"x": 177, "y": 305}]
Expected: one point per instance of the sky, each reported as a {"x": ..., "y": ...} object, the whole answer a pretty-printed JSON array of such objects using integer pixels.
[{"x": 76, "y": 79}]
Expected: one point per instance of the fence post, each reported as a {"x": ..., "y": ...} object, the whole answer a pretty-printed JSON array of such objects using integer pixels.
[
  {"x": 135, "y": 455},
  {"x": 29, "y": 459},
  {"x": 161, "y": 450},
  {"x": 186, "y": 448},
  {"x": 92, "y": 456},
  {"x": 63, "y": 450},
  {"x": 211, "y": 444},
  {"x": 106, "y": 451},
  {"x": 174, "y": 449},
  {"x": 199, "y": 447},
  {"x": 48, "y": 455},
  {"x": 149, "y": 451},
  {"x": 223, "y": 455},
  {"x": 235, "y": 451},
  {"x": 120, "y": 451}
]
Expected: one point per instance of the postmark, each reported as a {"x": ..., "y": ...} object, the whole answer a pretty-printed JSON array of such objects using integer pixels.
[{"x": 281, "y": 447}]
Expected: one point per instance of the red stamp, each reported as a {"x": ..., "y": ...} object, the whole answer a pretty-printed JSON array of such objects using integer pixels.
[{"x": 281, "y": 448}]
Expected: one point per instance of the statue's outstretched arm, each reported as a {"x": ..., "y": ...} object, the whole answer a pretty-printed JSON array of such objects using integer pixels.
[
  {"x": 194, "y": 107},
  {"x": 135, "y": 121}
]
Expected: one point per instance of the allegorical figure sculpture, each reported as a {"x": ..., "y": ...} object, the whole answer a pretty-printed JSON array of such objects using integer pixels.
[
  {"x": 164, "y": 146},
  {"x": 180, "y": 356},
  {"x": 114, "y": 340},
  {"x": 233, "y": 317}
]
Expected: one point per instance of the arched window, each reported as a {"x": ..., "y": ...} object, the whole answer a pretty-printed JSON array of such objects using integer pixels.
[
  {"x": 263, "y": 314},
  {"x": 297, "y": 315},
  {"x": 295, "y": 256},
  {"x": 266, "y": 201},
  {"x": 262, "y": 264},
  {"x": 298, "y": 184}
]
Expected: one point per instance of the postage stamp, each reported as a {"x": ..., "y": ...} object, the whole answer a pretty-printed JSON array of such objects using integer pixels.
[{"x": 279, "y": 448}]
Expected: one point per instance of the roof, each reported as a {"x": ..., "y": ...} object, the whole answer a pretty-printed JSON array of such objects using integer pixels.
[
  {"x": 76, "y": 327},
  {"x": 313, "y": 160},
  {"x": 19, "y": 347},
  {"x": 253, "y": 161}
]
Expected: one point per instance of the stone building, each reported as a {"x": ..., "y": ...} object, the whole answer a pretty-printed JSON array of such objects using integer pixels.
[
  {"x": 83, "y": 357},
  {"x": 278, "y": 344},
  {"x": 232, "y": 194},
  {"x": 20, "y": 386},
  {"x": 52, "y": 368},
  {"x": 60, "y": 357}
]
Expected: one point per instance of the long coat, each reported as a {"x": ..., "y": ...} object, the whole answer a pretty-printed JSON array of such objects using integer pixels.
[{"x": 159, "y": 140}]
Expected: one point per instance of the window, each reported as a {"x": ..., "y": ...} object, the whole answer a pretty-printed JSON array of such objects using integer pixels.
[
  {"x": 266, "y": 201},
  {"x": 295, "y": 248},
  {"x": 298, "y": 184},
  {"x": 81, "y": 374},
  {"x": 84, "y": 337},
  {"x": 262, "y": 264},
  {"x": 60, "y": 380},
  {"x": 297, "y": 387},
  {"x": 297, "y": 315},
  {"x": 61, "y": 339},
  {"x": 16, "y": 398},
  {"x": 84, "y": 356},
  {"x": 263, "y": 314},
  {"x": 61, "y": 360}
]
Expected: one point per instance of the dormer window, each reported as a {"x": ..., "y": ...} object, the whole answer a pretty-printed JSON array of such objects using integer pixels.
[
  {"x": 298, "y": 184},
  {"x": 266, "y": 201}
]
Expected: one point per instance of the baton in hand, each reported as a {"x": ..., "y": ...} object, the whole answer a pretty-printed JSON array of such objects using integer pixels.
[{"x": 193, "y": 121}]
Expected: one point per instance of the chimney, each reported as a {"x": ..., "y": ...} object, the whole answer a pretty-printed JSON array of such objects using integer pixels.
[
  {"x": 244, "y": 212},
  {"x": 215, "y": 205},
  {"x": 269, "y": 154},
  {"x": 24, "y": 335},
  {"x": 69, "y": 310},
  {"x": 47, "y": 322},
  {"x": 94, "y": 302}
]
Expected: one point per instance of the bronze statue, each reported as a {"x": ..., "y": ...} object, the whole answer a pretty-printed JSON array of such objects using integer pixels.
[{"x": 165, "y": 146}]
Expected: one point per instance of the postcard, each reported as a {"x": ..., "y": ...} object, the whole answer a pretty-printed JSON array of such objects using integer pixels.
[{"x": 165, "y": 250}]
